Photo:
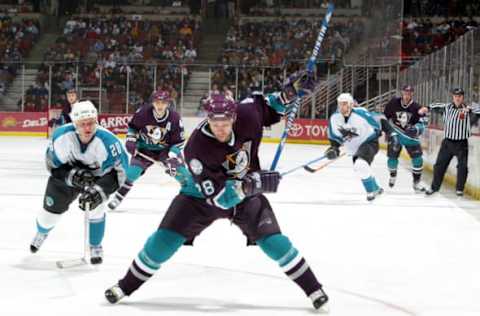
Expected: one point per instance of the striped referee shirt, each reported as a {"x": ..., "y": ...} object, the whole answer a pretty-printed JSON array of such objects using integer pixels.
[{"x": 456, "y": 123}]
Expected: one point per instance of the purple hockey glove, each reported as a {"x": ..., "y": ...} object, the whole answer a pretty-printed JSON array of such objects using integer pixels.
[
  {"x": 263, "y": 181},
  {"x": 131, "y": 144},
  {"x": 298, "y": 84}
]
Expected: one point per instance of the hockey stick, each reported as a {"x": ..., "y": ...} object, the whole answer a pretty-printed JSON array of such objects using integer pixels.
[
  {"x": 296, "y": 105},
  {"x": 312, "y": 170},
  {"x": 302, "y": 166},
  {"x": 64, "y": 264},
  {"x": 150, "y": 159}
]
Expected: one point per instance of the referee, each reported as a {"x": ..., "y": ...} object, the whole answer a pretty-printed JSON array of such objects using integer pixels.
[{"x": 458, "y": 119}]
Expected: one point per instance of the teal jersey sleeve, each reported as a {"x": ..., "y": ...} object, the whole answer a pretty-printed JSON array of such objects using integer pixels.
[{"x": 117, "y": 156}]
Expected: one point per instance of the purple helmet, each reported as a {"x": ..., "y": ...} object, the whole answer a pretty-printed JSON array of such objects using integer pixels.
[
  {"x": 162, "y": 95},
  {"x": 220, "y": 107}
]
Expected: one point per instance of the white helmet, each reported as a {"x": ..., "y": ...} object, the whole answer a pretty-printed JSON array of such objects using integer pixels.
[
  {"x": 83, "y": 110},
  {"x": 345, "y": 97}
]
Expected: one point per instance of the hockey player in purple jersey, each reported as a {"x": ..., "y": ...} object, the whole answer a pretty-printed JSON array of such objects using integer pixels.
[
  {"x": 406, "y": 118},
  {"x": 222, "y": 157},
  {"x": 154, "y": 131}
]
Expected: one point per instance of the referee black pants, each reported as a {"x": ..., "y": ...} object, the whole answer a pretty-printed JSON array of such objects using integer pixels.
[{"x": 448, "y": 150}]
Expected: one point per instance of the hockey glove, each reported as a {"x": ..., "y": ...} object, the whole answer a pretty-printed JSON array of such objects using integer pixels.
[
  {"x": 412, "y": 131},
  {"x": 332, "y": 152},
  {"x": 80, "y": 178},
  {"x": 262, "y": 181},
  {"x": 131, "y": 144},
  {"x": 171, "y": 165},
  {"x": 297, "y": 85},
  {"x": 94, "y": 196},
  {"x": 394, "y": 142}
]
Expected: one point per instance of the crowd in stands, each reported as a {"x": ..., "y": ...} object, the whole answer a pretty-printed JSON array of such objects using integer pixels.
[
  {"x": 421, "y": 8},
  {"x": 297, "y": 4},
  {"x": 16, "y": 41},
  {"x": 279, "y": 47},
  {"x": 422, "y": 36},
  {"x": 93, "y": 50}
]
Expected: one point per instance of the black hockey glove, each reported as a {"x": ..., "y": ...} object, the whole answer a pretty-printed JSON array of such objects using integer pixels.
[
  {"x": 94, "y": 196},
  {"x": 80, "y": 178},
  {"x": 171, "y": 165},
  {"x": 262, "y": 181},
  {"x": 332, "y": 152}
]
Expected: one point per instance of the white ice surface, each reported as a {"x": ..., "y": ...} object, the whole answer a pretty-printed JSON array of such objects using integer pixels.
[{"x": 403, "y": 254}]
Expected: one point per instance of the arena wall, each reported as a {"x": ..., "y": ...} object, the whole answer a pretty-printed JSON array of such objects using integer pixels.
[{"x": 305, "y": 131}]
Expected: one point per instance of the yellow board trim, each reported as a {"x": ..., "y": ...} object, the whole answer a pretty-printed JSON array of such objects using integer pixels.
[{"x": 36, "y": 134}]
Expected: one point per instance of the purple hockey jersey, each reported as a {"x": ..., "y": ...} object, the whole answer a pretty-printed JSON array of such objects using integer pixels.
[
  {"x": 217, "y": 167},
  {"x": 402, "y": 115},
  {"x": 156, "y": 133}
]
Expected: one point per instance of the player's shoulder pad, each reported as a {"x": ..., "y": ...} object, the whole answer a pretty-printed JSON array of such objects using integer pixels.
[
  {"x": 106, "y": 136},
  {"x": 62, "y": 130},
  {"x": 361, "y": 111},
  {"x": 174, "y": 116}
]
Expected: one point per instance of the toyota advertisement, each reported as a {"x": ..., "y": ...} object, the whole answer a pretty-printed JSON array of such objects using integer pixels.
[{"x": 309, "y": 129}]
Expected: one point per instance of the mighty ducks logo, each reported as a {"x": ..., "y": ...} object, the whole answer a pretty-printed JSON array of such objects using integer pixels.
[
  {"x": 403, "y": 118},
  {"x": 237, "y": 164},
  {"x": 155, "y": 134}
]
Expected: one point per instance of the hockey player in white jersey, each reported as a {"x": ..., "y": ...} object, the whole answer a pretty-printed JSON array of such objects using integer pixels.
[
  {"x": 358, "y": 131},
  {"x": 83, "y": 159}
]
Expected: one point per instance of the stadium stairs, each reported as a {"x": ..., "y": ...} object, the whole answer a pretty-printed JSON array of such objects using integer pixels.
[
  {"x": 26, "y": 77},
  {"x": 213, "y": 37}
]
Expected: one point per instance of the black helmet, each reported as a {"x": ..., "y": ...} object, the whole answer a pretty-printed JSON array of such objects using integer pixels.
[{"x": 458, "y": 91}]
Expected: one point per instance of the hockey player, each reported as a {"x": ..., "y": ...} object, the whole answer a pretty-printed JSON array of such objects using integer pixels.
[
  {"x": 83, "y": 159},
  {"x": 406, "y": 118},
  {"x": 154, "y": 131},
  {"x": 358, "y": 130},
  {"x": 64, "y": 118},
  {"x": 222, "y": 156}
]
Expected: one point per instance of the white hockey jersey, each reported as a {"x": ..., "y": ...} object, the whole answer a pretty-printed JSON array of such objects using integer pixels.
[
  {"x": 360, "y": 127},
  {"x": 102, "y": 154}
]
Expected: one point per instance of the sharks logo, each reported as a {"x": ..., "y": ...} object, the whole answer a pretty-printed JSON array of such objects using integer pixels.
[
  {"x": 348, "y": 132},
  {"x": 238, "y": 163},
  {"x": 403, "y": 118}
]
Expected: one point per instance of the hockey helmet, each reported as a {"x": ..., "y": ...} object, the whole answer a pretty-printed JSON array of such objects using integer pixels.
[
  {"x": 161, "y": 95},
  {"x": 346, "y": 97},
  {"x": 83, "y": 110},
  {"x": 220, "y": 107}
]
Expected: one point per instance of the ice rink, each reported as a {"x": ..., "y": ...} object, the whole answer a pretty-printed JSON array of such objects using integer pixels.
[{"x": 403, "y": 254}]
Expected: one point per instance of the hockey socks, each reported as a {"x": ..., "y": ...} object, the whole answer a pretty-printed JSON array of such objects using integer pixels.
[
  {"x": 46, "y": 221},
  {"x": 97, "y": 230},
  {"x": 364, "y": 171},
  {"x": 159, "y": 247},
  {"x": 279, "y": 248},
  {"x": 417, "y": 168}
]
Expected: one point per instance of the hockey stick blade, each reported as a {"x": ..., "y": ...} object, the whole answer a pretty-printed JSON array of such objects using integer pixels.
[
  {"x": 65, "y": 264},
  {"x": 313, "y": 170},
  {"x": 309, "y": 169}
]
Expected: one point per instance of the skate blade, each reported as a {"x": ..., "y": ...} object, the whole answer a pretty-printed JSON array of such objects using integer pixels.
[
  {"x": 65, "y": 264},
  {"x": 325, "y": 309}
]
